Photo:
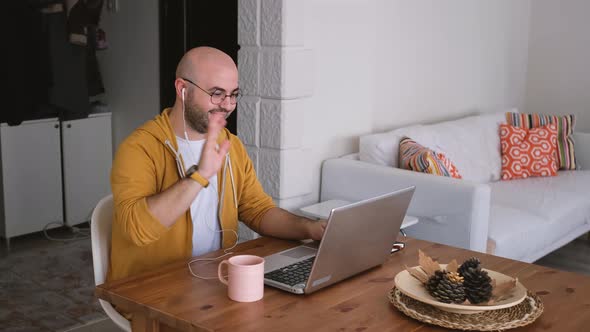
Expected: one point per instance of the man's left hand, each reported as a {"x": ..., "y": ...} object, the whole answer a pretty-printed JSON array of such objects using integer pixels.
[{"x": 316, "y": 229}]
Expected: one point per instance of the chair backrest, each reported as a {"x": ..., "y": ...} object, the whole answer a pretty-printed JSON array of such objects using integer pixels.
[{"x": 100, "y": 234}]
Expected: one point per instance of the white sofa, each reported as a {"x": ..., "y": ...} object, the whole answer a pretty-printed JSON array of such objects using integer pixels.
[{"x": 519, "y": 219}]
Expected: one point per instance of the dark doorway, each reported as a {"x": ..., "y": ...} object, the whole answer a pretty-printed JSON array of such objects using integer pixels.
[{"x": 185, "y": 24}]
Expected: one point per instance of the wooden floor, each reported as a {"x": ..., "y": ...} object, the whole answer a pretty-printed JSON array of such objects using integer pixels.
[{"x": 573, "y": 257}]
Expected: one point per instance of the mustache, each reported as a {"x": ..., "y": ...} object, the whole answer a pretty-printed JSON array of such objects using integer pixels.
[{"x": 226, "y": 113}]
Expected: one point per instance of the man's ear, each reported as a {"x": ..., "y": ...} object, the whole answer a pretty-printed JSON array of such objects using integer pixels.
[{"x": 180, "y": 88}]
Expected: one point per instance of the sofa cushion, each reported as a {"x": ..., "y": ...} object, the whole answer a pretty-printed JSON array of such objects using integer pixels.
[
  {"x": 472, "y": 143},
  {"x": 416, "y": 157},
  {"x": 383, "y": 148},
  {"x": 528, "y": 152},
  {"x": 532, "y": 214},
  {"x": 565, "y": 129},
  {"x": 513, "y": 232}
]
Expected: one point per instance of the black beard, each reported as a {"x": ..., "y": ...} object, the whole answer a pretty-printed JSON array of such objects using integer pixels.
[{"x": 199, "y": 120}]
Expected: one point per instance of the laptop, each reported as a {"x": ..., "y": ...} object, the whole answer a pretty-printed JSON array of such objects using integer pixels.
[{"x": 359, "y": 236}]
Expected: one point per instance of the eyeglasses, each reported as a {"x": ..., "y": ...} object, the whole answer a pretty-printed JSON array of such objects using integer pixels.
[{"x": 218, "y": 96}]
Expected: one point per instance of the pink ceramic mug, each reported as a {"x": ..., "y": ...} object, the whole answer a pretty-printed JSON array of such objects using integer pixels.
[{"x": 245, "y": 282}]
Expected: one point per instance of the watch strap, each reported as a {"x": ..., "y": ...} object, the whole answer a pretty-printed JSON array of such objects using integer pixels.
[
  {"x": 193, "y": 173},
  {"x": 200, "y": 179}
]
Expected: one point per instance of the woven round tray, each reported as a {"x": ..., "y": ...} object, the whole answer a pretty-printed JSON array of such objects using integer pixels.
[{"x": 521, "y": 314}]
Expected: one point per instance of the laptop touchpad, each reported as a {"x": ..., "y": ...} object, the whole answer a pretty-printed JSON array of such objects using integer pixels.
[{"x": 299, "y": 252}]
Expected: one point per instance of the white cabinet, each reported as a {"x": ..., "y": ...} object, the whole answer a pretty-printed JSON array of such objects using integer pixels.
[
  {"x": 87, "y": 158},
  {"x": 53, "y": 172},
  {"x": 31, "y": 176}
]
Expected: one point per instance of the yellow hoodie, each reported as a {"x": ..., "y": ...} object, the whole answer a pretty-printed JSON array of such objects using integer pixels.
[{"x": 147, "y": 163}]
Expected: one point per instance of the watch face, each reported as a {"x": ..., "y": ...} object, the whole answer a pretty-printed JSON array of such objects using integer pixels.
[{"x": 192, "y": 169}]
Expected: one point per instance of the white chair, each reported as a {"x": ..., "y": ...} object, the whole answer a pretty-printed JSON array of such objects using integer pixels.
[{"x": 100, "y": 233}]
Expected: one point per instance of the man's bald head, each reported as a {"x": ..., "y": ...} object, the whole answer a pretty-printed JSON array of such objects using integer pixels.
[
  {"x": 205, "y": 76},
  {"x": 202, "y": 62}
]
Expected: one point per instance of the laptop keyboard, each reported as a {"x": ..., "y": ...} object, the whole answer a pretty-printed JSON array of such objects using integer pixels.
[{"x": 293, "y": 274}]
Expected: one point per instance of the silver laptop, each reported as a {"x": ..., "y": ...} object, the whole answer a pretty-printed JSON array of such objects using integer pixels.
[{"x": 358, "y": 236}]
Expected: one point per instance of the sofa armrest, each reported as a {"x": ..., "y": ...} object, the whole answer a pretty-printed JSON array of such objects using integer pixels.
[
  {"x": 582, "y": 149},
  {"x": 453, "y": 212}
]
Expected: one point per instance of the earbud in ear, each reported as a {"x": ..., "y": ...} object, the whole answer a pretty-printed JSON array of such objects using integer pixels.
[{"x": 183, "y": 89}]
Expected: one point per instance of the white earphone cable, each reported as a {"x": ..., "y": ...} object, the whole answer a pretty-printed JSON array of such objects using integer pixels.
[
  {"x": 226, "y": 251},
  {"x": 184, "y": 126}
]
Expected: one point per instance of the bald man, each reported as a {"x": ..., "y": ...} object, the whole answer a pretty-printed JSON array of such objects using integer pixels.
[{"x": 182, "y": 181}]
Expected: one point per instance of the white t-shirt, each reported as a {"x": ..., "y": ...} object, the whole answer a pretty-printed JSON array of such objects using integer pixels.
[{"x": 206, "y": 235}]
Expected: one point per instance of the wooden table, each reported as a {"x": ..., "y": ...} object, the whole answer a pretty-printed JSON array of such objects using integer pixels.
[{"x": 171, "y": 299}]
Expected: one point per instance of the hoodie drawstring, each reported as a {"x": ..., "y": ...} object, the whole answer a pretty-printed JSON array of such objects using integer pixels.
[
  {"x": 177, "y": 158},
  {"x": 233, "y": 186},
  {"x": 231, "y": 176}
]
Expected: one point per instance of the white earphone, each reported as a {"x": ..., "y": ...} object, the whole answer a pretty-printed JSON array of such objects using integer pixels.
[{"x": 183, "y": 115}]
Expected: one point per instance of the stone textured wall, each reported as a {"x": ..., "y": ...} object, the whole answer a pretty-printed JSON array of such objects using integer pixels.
[{"x": 276, "y": 78}]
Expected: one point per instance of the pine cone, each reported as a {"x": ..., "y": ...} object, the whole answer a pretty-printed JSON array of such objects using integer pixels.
[
  {"x": 450, "y": 288},
  {"x": 434, "y": 280},
  {"x": 471, "y": 262},
  {"x": 478, "y": 285}
]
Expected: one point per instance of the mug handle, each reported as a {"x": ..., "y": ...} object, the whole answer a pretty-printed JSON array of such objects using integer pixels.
[{"x": 219, "y": 275}]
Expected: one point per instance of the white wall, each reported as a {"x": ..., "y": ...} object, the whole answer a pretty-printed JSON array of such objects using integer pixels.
[
  {"x": 382, "y": 64},
  {"x": 443, "y": 59},
  {"x": 559, "y": 61},
  {"x": 341, "y": 36},
  {"x": 130, "y": 66}
]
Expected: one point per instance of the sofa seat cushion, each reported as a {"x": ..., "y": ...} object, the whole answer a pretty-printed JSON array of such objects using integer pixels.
[
  {"x": 531, "y": 214},
  {"x": 516, "y": 233}
]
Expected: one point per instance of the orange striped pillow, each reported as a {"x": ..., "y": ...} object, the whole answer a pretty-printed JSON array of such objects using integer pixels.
[
  {"x": 415, "y": 157},
  {"x": 566, "y": 158}
]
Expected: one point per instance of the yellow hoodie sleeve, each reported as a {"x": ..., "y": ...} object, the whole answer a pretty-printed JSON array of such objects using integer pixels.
[
  {"x": 253, "y": 202},
  {"x": 133, "y": 179}
]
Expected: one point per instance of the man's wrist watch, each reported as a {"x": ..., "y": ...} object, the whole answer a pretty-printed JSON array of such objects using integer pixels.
[{"x": 193, "y": 173}]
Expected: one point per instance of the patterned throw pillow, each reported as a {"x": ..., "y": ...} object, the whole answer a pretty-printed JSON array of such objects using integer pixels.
[
  {"x": 566, "y": 158},
  {"x": 528, "y": 152},
  {"x": 416, "y": 157}
]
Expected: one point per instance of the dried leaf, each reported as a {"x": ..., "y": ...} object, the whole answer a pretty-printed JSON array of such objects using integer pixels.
[
  {"x": 418, "y": 273},
  {"x": 453, "y": 266},
  {"x": 503, "y": 290},
  {"x": 427, "y": 264}
]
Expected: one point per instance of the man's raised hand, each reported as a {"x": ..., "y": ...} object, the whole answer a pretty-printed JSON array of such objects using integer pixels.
[{"x": 212, "y": 157}]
